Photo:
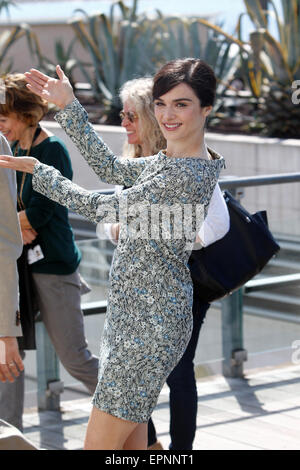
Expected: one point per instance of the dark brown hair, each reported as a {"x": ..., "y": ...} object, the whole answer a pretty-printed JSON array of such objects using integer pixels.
[
  {"x": 28, "y": 107},
  {"x": 194, "y": 72}
]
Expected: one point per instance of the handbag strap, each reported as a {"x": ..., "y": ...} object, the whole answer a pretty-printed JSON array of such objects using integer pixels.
[
  {"x": 236, "y": 206},
  {"x": 16, "y": 154}
]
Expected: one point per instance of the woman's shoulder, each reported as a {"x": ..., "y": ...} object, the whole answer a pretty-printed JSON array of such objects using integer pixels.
[
  {"x": 52, "y": 145},
  {"x": 193, "y": 165},
  {"x": 53, "y": 141},
  {"x": 52, "y": 151}
]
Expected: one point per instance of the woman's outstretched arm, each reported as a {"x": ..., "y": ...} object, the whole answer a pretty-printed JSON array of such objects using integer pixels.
[
  {"x": 48, "y": 181},
  {"x": 134, "y": 202},
  {"x": 74, "y": 120}
]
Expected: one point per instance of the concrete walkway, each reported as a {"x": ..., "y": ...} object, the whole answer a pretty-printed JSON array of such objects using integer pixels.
[{"x": 259, "y": 412}]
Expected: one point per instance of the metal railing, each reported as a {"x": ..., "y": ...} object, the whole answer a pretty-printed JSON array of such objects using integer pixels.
[{"x": 234, "y": 353}]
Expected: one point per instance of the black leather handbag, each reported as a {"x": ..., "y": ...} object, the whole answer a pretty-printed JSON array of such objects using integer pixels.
[{"x": 224, "y": 266}]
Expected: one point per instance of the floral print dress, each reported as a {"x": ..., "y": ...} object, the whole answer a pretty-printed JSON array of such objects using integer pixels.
[{"x": 149, "y": 314}]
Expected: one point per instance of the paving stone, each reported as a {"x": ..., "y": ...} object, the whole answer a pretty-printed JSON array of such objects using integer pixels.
[{"x": 261, "y": 411}]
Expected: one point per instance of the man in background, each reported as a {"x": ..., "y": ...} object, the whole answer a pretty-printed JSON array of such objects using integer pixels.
[{"x": 11, "y": 363}]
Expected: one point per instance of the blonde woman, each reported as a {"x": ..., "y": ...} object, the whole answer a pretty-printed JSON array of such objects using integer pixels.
[{"x": 144, "y": 137}]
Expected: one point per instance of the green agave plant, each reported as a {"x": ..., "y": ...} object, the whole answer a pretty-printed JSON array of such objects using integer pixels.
[
  {"x": 120, "y": 47},
  {"x": 9, "y": 37},
  {"x": 64, "y": 56},
  {"x": 270, "y": 63},
  {"x": 275, "y": 56},
  {"x": 277, "y": 67},
  {"x": 129, "y": 45},
  {"x": 6, "y": 5}
]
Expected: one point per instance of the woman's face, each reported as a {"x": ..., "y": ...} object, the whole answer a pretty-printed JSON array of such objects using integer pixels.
[
  {"x": 12, "y": 127},
  {"x": 179, "y": 114},
  {"x": 131, "y": 123}
]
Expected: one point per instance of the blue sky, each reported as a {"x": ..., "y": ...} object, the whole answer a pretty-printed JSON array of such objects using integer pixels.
[
  {"x": 221, "y": 10},
  {"x": 51, "y": 10}
]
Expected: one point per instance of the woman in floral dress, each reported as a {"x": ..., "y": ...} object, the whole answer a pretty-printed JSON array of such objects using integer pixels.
[{"x": 149, "y": 315}]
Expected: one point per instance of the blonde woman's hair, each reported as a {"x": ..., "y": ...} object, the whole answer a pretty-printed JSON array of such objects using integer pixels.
[
  {"x": 139, "y": 93},
  {"x": 28, "y": 107}
]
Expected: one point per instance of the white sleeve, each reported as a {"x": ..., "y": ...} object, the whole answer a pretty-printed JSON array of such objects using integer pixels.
[
  {"x": 216, "y": 223},
  {"x": 107, "y": 231},
  {"x": 107, "y": 227}
]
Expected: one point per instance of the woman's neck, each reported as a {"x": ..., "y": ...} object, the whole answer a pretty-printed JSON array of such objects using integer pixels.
[
  {"x": 25, "y": 140},
  {"x": 176, "y": 149},
  {"x": 146, "y": 151}
]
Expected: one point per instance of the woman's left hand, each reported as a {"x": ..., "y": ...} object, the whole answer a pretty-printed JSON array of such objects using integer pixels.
[
  {"x": 25, "y": 164},
  {"x": 58, "y": 91},
  {"x": 28, "y": 236}
]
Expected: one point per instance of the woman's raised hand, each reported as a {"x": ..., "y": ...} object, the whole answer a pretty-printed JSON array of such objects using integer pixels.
[
  {"x": 58, "y": 91},
  {"x": 25, "y": 164}
]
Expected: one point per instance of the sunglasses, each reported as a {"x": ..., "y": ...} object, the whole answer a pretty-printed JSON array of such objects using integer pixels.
[{"x": 131, "y": 115}]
